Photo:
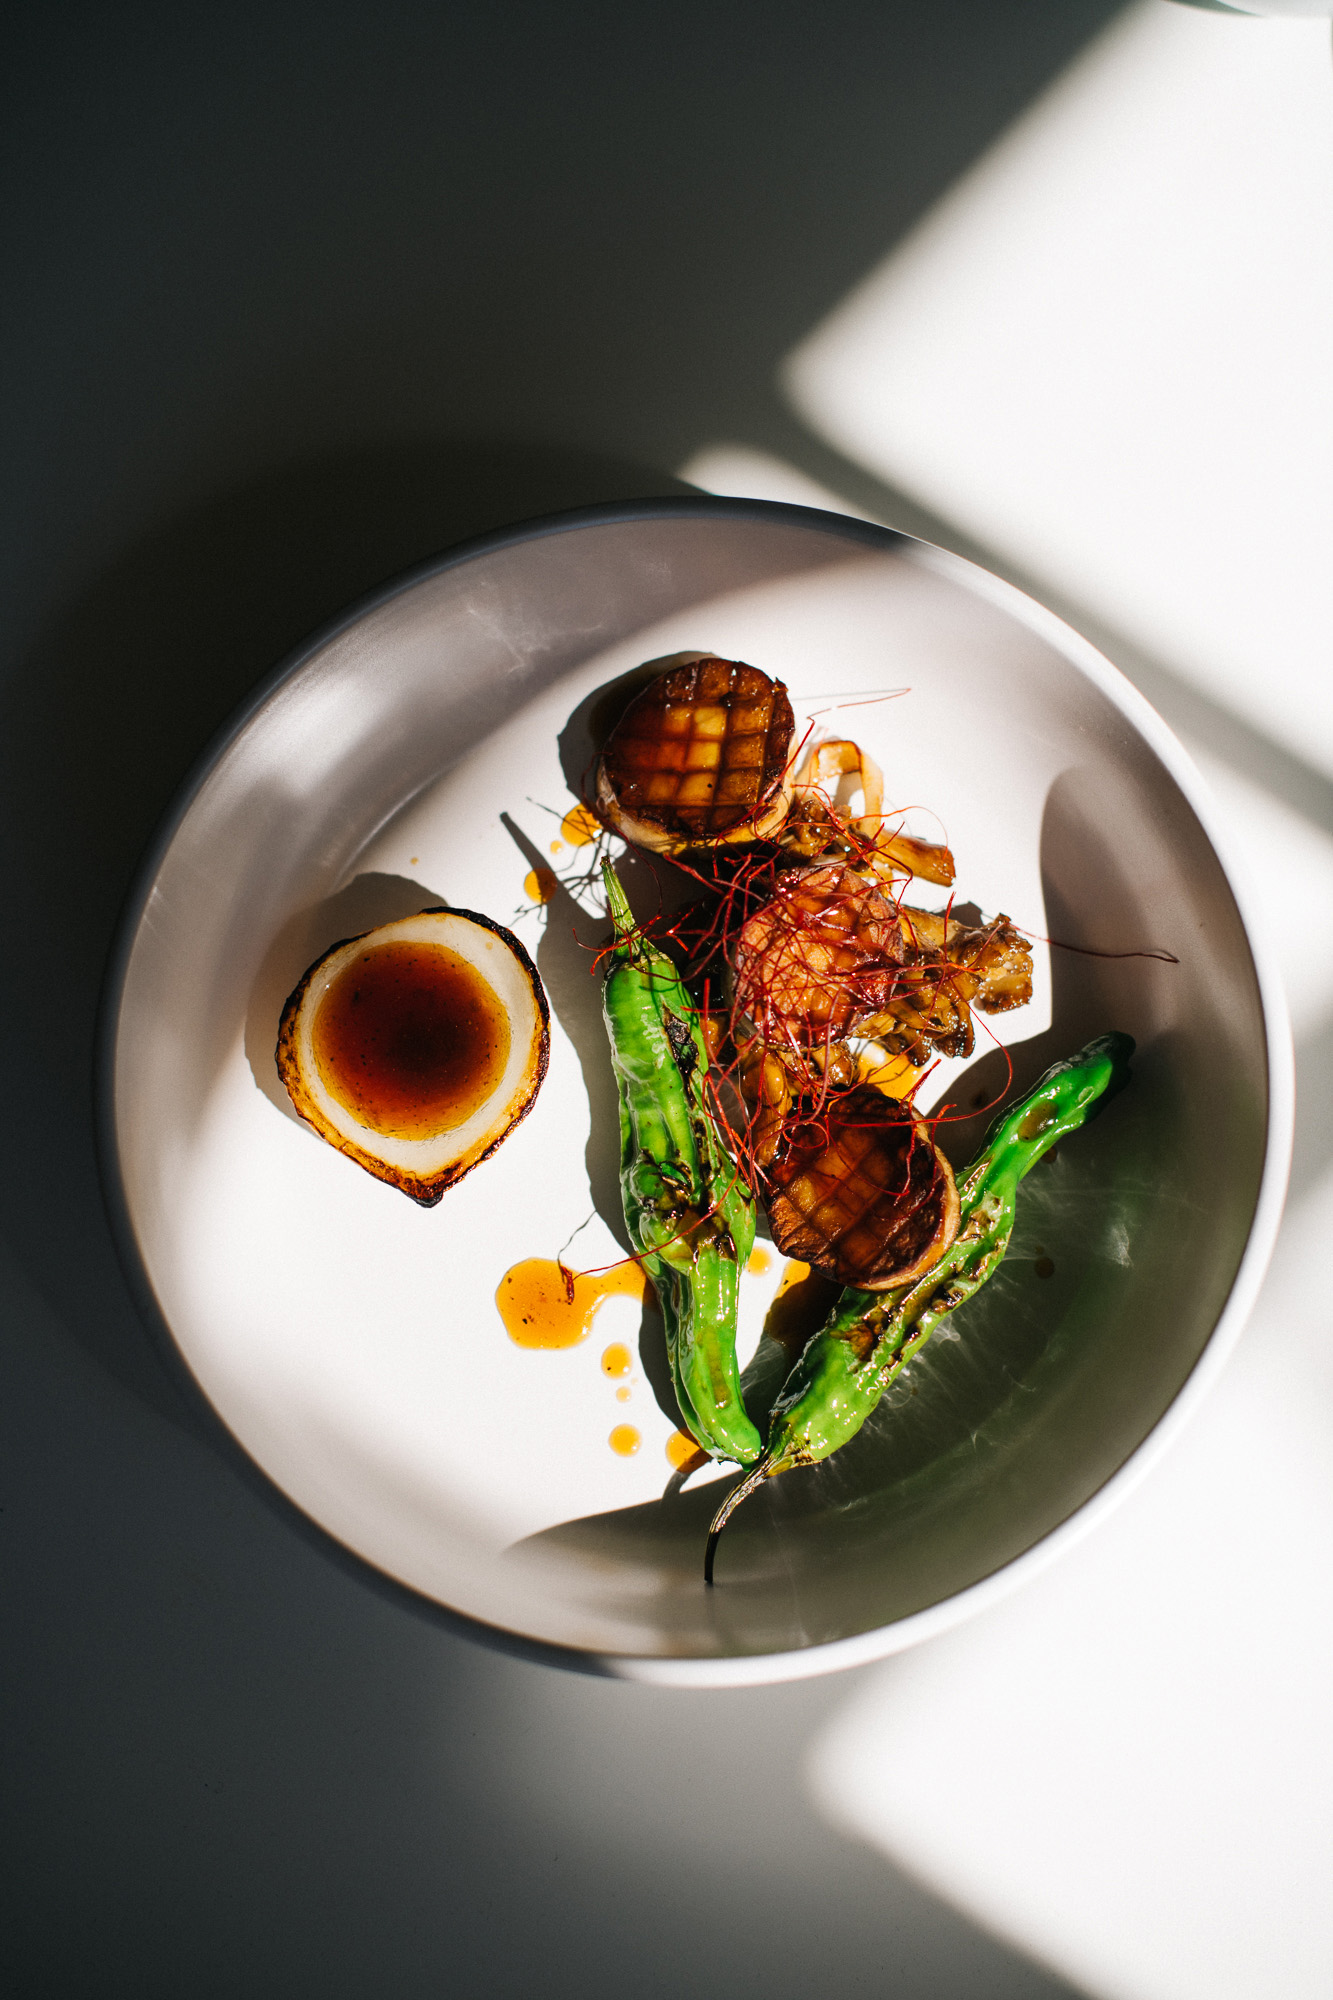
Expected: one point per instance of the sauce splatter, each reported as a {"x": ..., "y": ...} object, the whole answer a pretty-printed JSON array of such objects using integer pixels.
[
  {"x": 623, "y": 1395},
  {"x": 616, "y": 1360},
  {"x": 580, "y": 827},
  {"x": 682, "y": 1451},
  {"x": 761, "y": 1260},
  {"x": 557, "y": 847},
  {"x": 544, "y": 1304},
  {"x": 624, "y": 1440},
  {"x": 539, "y": 885}
]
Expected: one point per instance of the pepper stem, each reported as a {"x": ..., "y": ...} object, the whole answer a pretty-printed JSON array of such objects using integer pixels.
[
  {"x": 753, "y": 1479},
  {"x": 617, "y": 903}
]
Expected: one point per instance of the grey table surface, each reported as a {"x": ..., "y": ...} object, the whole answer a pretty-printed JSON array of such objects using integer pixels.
[{"x": 300, "y": 296}]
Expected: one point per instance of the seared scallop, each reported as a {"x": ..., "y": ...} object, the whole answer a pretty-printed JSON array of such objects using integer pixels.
[
  {"x": 700, "y": 758},
  {"x": 417, "y": 1048},
  {"x": 859, "y": 1191}
]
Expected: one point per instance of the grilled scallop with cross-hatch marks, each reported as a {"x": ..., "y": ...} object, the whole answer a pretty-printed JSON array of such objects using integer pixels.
[
  {"x": 700, "y": 758},
  {"x": 857, "y": 1189}
]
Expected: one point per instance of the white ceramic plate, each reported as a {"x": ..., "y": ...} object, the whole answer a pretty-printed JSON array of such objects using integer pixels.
[{"x": 423, "y": 752}]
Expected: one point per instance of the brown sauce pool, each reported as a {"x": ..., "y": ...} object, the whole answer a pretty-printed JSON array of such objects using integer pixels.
[{"x": 410, "y": 1039}]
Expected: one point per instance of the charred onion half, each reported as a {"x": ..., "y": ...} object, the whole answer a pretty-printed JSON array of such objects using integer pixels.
[{"x": 417, "y": 1048}]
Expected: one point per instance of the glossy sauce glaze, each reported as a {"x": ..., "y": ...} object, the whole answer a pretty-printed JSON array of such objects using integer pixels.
[
  {"x": 544, "y": 1304},
  {"x": 410, "y": 1039}
]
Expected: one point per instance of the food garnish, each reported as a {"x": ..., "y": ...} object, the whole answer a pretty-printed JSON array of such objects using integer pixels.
[
  {"x": 870, "y": 1337},
  {"x": 418, "y": 1047},
  {"x": 821, "y": 822}
]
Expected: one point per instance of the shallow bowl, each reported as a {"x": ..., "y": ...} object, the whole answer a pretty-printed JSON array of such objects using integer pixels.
[{"x": 426, "y": 750}]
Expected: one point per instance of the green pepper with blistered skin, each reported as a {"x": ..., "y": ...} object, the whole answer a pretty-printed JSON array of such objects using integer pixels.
[
  {"x": 689, "y": 1215},
  {"x": 871, "y": 1336}
]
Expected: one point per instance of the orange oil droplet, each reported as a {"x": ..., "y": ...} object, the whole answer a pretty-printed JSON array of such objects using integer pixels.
[
  {"x": 624, "y": 1440},
  {"x": 557, "y": 847},
  {"x": 415, "y": 862},
  {"x": 623, "y": 1395},
  {"x": 580, "y": 827},
  {"x": 681, "y": 1450},
  {"x": 616, "y": 1360},
  {"x": 794, "y": 1274},
  {"x": 761, "y": 1260},
  {"x": 539, "y": 885},
  {"x": 535, "y": 1304},
  {"x": 894, "y": 1075}
]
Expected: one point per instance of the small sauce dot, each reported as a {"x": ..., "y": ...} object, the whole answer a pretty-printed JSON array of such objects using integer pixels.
[
  {"x": 557, "y": 847},
  {"x": 1044, "y": 1267},
  {"x": 761, "y": 1260},
  {"x": 580, "y": 827},
  {"x": 415, "y": 862},
  {"x": 894, "y": 1075},
  {"x": 682, "y": 1451},
  {"x": 623, "y": 1395},
  {"x": 544, "y": 1304},
  {"x": 624, "y": 1440},
  {"x": 616, "y": 1359},
  {"x": 539, "y": 885}
]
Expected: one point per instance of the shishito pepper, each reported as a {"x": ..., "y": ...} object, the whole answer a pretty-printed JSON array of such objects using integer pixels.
[
  {"x": 689, "y": 1215},
  {"x": 869, "y": 1337}
]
